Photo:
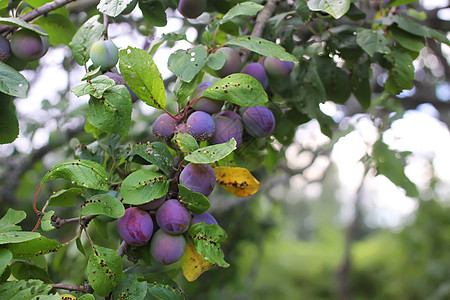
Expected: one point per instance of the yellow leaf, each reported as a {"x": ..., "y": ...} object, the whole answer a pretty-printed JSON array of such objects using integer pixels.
[
  {"x": 238, "y": 181},
  {"x": 193, "y": 264}
]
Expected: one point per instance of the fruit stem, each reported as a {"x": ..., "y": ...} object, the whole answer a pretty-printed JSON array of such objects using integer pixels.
[{"x": 35, "y": 197}]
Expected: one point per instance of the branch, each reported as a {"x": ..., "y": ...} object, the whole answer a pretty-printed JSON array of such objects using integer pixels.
[
  {"x": 75, "y": 288},
  {"x": 37, "y": 12},
  {"x": 83, "y": 220},
  {"x": 261, "y": 20}
]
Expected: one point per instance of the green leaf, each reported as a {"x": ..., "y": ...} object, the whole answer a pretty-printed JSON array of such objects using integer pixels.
[
  {"x": 10, "y": 219},
  {"x": 154, "y": 12},
  {"x": 34, "y": 247},
  {"x": 185, "y": 142},
  {"x": 242, "y": 9},
  {"x": 12, "y": 82},
  {"x": 216, "y": 60},
  {"x": 263, "y": 47},
  {"x": 335, "y": 81},
  {"x": 407, "y": 40},
  {"x": 89, "y": 75},
  {"x": 210, "y": 154},
  {"x": 207, "y": 239},
  {"x": 131, "y": 288},
  {"x": 46, "y": 222},
  {"x": 87, "y": 297},
  {"x": 103, "y": 204},
  {"x": 5, "y": 259},
  {"x": 360, "y": 81},
  {"x": 439, "y": 36},
  {"x": 240, "y": 89},
  {"x": 17, "y": 237},
  {"x": 184, "y": 89},
  {"x": 401, "y": 74},
  {"x": 112, "y": 113},
  {"x": 187, "y": 63},
  {"x": 25, "y": 270},
  {"x": 372, "y": 41},
  {"x": 393, "y": 3},
  {"x": 112, "y": 8},
  {"x": 195, "y": 202},
  {"x": 90, "y": 32},
  {"x": 142, "y": 76},
  {"x": 84, "y": 173},
  {"x": 96, "y": 87},
  {"x": 104, "y": 270},
  {"x": 23, "y": 289},
  {"x": 336, "y": 8},
  {"x": 9, "y": 125},
  {"x": 155, "y": 153},
  {"x": 60, "y": 28},
  {"x": 302, "y": 9},
  {"x": 143, "y": 186},
  {"x": 170, "y": 37},
  {"x": 406, "y": 24},
  {"x": 165, "y": 290},
  {"x": 65, "y": 198},
  {"x": 19, "y": 22},
  {"x": 392, "y": 165}
]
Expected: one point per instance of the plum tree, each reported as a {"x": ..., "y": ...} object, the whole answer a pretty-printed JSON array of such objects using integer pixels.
[
  {"x": 104, "y": 54},
  {"x": 257, "y": 71},
  {"x": 164, "y": 126},
  {"x": 199, "y": 178},
  {"x": 204, "y": 217},
  {"x": 167, "y": 248},
  {"x": 205, "y": 104},
  {"x": 200, "y": 125},
  {"x": 233, "y": 63},
  {"x": 275, "y": 67},
  {"x": 192, "y": 9},
  {"x": 5, "y": 49},
  {"x": 172, "y": 217},
  {"x": 258, "y": 121},
  {"x": 135, "y": 226},
  {"x": 227, "y": 128},
  {"x": 118, "y": 79},
  {"x": 29, "y": 45}
]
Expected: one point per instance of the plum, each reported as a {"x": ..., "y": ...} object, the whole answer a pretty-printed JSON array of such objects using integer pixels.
[
  {"x": 227, "y": 128},
  {"x": 104, "y": 54},
  {"x": 233, "y": 62},
  {"x": 166, "y": 248},
  {"x": 198, "y": 178},
  {"x": 205, "y": 104},
  {"x": 152, "y": 205},
  {"x": 164, "y": 126},
  {"x": 257, "y": 71},
  {"x": 204, "y": 217},
  {"x": 258, "y": 121},
  {"x": 192, "y": 9},
  {"x": 135, "y": 226},
  {"x": 5, "y": 49},
  {"x": 173, "y": 217},
  {"x": 276, "y": 67},
  {"x": 200, "y": 125},
  {"x": 181, "y": 128},
  {"x": 230, "y": 114},
  {"x": 118, "y": 79},
  {"x": 28, "y": 45}
]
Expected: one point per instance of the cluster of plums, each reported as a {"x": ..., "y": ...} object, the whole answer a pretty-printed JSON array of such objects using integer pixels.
[
  {"x": 25, "y": 44},
  {"x": 165, "y": 231}
]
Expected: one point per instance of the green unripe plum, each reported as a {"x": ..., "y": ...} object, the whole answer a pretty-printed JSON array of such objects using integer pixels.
[
  {"x": 233, "y": 62},
  {"x": 104, "y": 54},
  {"x": 276, "y": 67},
  {"x": 28, "y": 45}
]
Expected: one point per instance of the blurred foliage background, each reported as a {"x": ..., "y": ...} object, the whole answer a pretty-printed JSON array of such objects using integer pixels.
[{"x": 323, "y": 226}]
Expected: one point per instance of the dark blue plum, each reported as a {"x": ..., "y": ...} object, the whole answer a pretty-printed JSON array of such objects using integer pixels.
[
  {"x": 164, "y": 126},
  {"x": 227, "y": 128},
  {"x": 135, "y": 226},
  {"x": 5, "y": 49},
  {"x": 233, "y": 62},
  {"x": 118, "y": 79},
  {"x": 172, "y": 217},
  {"x": 199, "y": 178},
  {"x": 205, "y": 104},
  {"x": 191, "y": 9},
  {"x": 258, "y": 121},
  {"x": 166, "y": 248},
  {"x": 204, "y": 217},
  {"x": 152, "y": 205},
  {"x": 230, "y": 115},
  {"x": 200, "y": 125},
  {"x": 257, "y": 71}
]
